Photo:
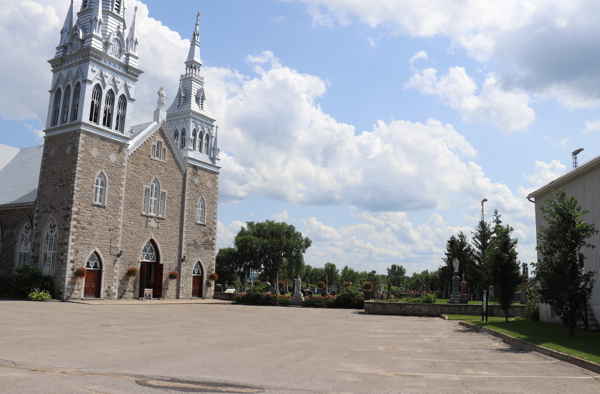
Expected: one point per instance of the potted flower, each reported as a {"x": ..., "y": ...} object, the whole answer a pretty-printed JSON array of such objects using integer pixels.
[
  {"x": 173, "y": 275},
  {"x": 213, "y": 276},
  {"x": 321, "y": 284},
  {"x": 79, "y": 272},
  {"x": 257, "y": 282},
  {"x": 282, "y": 287},
  {"x": 346, "y": 284},
  {"x": 367, "y": 286},
  {"x": 132, "y": 272}
]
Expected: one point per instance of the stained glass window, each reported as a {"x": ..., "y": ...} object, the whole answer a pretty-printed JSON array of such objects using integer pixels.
[{"x": 149, "y": 254}]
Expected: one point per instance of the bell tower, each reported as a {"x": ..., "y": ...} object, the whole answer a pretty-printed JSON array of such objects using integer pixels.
[
  {"x": 94, "y": 73},
  {"x": 189, "y": 119}
]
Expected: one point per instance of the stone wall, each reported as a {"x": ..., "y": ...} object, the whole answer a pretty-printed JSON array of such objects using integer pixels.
[
  {"x": 97, "y": 227},
  {"x": 199, "y": 241},
  {"x": 55, "y": 201},
  {"x": 409, "y": 309},
  {"x": 10, "y": 224},
  {"x": 139, "y": 228}
]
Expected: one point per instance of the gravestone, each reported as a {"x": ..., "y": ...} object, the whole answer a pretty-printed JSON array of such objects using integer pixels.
[
  {"x": 464, "y": 297},
  {"x": 455, "y": 298},
  {"x": 491, "y": 293}
]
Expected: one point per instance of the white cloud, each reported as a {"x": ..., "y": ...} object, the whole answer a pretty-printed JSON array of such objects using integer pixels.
[
  {"x": 280, "y": 217},
  {"x": 419, "y": 55},
  {"x": 560, "y": 144},
  {"x": 227, "y": 233},
  {"x": 507, "y": 110},
  {"x": 277, "y": 19},
  {"x": 591, "y": 126},
  {"x": 371, "y": 42},
  {"x": 545, "y": 173}
]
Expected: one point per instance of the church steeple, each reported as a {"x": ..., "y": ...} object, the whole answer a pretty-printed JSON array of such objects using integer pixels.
[
  {"x": 193, "y": 59},
  {"x": 63, "y": 47},
  {"x": 132, "y": 41}
]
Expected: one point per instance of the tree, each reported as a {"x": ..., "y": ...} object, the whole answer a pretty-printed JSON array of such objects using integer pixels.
[
  {"x": 267, "y": 245},
  {"x": 460, "y": 249},
  {"x": 349, "y": 275},
  {"x": 481, "y": 241},
  {"x": 228, "y": 265},
  {"x": 396, "y": 274},
  {"x": 563, "y": 284},
  {"x": 331, "y": 272},
  {"x": 503, "y": 266}
]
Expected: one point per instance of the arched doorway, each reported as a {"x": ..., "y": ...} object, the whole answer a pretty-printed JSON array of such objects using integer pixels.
[
  {"x": 151, "y": 271},
  {"x": 93, "y": 276},
  {"x": 197, "y": 280}
]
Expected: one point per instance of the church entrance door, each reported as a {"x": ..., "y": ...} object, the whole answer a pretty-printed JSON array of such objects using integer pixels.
[
  {"x": 151, "y": 271},
  {"x": 93, "y": 277},
  {"x": 197, "y": 281}
]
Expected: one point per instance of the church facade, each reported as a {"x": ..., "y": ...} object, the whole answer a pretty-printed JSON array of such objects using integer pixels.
[{"x": 132, "y": 204}]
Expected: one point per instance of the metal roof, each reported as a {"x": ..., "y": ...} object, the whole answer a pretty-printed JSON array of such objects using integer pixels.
[{"x": 20, "y": 176}]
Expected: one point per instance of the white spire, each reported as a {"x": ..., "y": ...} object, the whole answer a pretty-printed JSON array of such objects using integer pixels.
[
  {"x": 194, "y": 53},
  {"x": 132, "y": 41},
  {"x": 216, "y": 149},
  {"x": 67, "y": 27}
]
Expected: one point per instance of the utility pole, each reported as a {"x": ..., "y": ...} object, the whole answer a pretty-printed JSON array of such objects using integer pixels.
[{"x": 574, "y": 154}]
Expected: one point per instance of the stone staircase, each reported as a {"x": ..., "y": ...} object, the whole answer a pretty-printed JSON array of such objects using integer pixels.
[{"x": 592, "y": 322}]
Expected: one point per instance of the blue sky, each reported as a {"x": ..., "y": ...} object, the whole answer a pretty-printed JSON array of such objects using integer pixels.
[{"x": 375, "y": 128}]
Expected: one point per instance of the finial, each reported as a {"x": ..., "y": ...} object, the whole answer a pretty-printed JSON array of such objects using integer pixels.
[{"x": 198, "y": 15}]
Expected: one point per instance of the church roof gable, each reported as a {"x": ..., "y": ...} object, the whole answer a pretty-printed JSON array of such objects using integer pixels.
[{"x": 19, "y": 177}]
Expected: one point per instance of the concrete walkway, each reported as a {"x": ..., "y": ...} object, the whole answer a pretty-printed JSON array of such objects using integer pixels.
[
  {"x": 93, "y": 301},
  {"x": 58, "y": 348}
]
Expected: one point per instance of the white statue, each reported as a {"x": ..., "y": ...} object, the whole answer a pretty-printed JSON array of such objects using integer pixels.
[
  {"x": 455, "y": 263},
  {"x": 162, "y": 97}
]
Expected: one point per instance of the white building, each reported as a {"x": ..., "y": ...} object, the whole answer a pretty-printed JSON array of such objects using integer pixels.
[{"x": 583, "y": 183}]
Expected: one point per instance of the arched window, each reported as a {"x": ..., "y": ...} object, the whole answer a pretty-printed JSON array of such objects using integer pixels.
[
  {"x": 206, "y": 143},
  {"x": 121, "y": 111},
  {"x": 201, "y": 211},
  {"x": 49, "y": 249},
  {"x": 65, "y": 110},
  {"x": 149, "y": 254},
  {"x": 84, "y": 4},
  {"x": 24, "y": 244},
  {"x": 176, "y": 137},
  {"x": 56, "y": 107},
  {"x": 154, "y": 195},
  {"x": 197, "y": 270},
  {"x": 100, "y": 189},
  {"x": 109, "y": 106},
  {"x": 93, "y": 262},
  {"x": 201, "y": 144},
  {"x": 75, "y": 105},
  {"x": 183, "y": 138},
  {"x": 194, "y": 137},
  {"x": 95, "y": 105}
]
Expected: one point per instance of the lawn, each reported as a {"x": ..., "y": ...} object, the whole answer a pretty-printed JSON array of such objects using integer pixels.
[{"x": 586, "y": 344}]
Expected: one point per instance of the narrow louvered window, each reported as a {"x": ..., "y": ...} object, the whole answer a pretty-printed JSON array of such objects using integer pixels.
[
  {"x": 75, "y": 105},
  {"x": 65, "y": 110},
  {"x": 121, "y": 111},
  {"x": 56, "y": 108},
  {"x": 95, "y": 104},
  {"x": 109, "y": 106}
]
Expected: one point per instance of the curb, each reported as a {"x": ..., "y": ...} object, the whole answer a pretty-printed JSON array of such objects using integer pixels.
[{"x": 528, "y": 346}]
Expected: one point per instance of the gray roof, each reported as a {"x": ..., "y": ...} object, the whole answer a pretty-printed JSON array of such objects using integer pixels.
[{"x": 20, "y": 176}]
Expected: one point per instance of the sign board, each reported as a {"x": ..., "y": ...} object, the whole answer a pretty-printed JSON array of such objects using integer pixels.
[
  {"x": 230, "y": 291},
  {"x": 147, "y": 294}
]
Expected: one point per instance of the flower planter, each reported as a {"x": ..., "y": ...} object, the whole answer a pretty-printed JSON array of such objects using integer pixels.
[
  {"x": 132, "y": 272},
  {"x": 79, "y": 272},
  {"x": 173, "y": 275},
  {"x": 213, "y": 276}
]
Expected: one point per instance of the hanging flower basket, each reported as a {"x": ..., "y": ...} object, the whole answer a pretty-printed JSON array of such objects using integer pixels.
[
  {"x": 367, "y": 286},
  {"x": 79, "y": 272},
  {"x": 132, "y": 271},
  {"x": 173, "y": 275},
  {"x": 213, "y": 276},
  {"x": 321, "y": 285}
]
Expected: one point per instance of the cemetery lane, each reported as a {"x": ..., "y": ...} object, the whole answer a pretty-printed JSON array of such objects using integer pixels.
[{"x": 152, "y": 348}]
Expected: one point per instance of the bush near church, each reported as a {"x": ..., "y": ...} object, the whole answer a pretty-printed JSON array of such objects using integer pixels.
[{"x": 27, "y": 278}]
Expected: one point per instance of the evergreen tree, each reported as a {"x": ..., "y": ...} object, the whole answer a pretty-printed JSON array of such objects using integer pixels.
[
  {"x": 396, "y": 274},
  {"x": 560, "y": 273},
  {"x": 458, "y": 248},
  {"x": 503, "y": 267},
  {"x": 481, "y": 241},
  {"x": 331, "y": 273}
]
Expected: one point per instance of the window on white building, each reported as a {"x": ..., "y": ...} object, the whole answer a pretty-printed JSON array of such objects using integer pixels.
[
  {"x": 176, "y": 137},
  {"x": 49, "y": 249},
  {"x": 75, "y": 105},
  {"x": 201, "y": 144},
  {"x": 65, "y": 110},
  {"x": 109, "y": 106},
  {"x": 183, "y": 138},
  {"x": 121, "y": 112},
  {"x": 194, "y": 139},
  {"x": 95, "y": 104},
  {"x": 56, "y": 107}
]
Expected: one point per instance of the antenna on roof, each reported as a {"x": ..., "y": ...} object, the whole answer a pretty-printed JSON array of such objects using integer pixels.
[{"x": 574, "y": 154}]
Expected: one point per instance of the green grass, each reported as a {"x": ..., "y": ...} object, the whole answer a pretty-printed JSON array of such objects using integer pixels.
[
  {"x": 586, "y": 344},
  {"x": 445, "y": 301}
]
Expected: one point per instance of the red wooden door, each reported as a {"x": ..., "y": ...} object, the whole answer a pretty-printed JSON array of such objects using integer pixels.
[
  {"x": 197, "y": 286},
  {"x": 92, "y": 283},
  {"x": 157, "y": 281},
  {"x": 143, "y": 274}
]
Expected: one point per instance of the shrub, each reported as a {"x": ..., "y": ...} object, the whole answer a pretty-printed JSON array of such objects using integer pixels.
[
  {"x": 6, "y": 284},
  {"x": 346, "y": 284},
  {"x": 132, "y": 271},
  {"x": 213, "y": 276},
  {"x": 319, "y": 302},
  {"x": 321, "y": 284},
  {"x": 257, "y": 282},
  {"x": 27, "y": 278},
  {"x": 349, "y": 297},
  {"x": 39, "y": 295},
  {"x": 79, "y": 272},
  {"x": 173, "y": 275},
  {"x": 252, "y": 296}
]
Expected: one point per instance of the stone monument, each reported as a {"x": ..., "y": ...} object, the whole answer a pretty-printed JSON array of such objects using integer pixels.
[
  {"x": 455, "y": 298},
  {"x": 464, "y": 297},
  {"x": 524, "y": 284},
  {"x": 491, "y": 296},
  {"x": 297, "y": 297}
]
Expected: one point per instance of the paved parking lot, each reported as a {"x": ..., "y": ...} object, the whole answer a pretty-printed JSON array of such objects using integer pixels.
[{"x": 151, "y": 348}]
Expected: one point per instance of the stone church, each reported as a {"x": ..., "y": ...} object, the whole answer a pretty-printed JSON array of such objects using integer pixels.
[{"x": 104, "y": 194}]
